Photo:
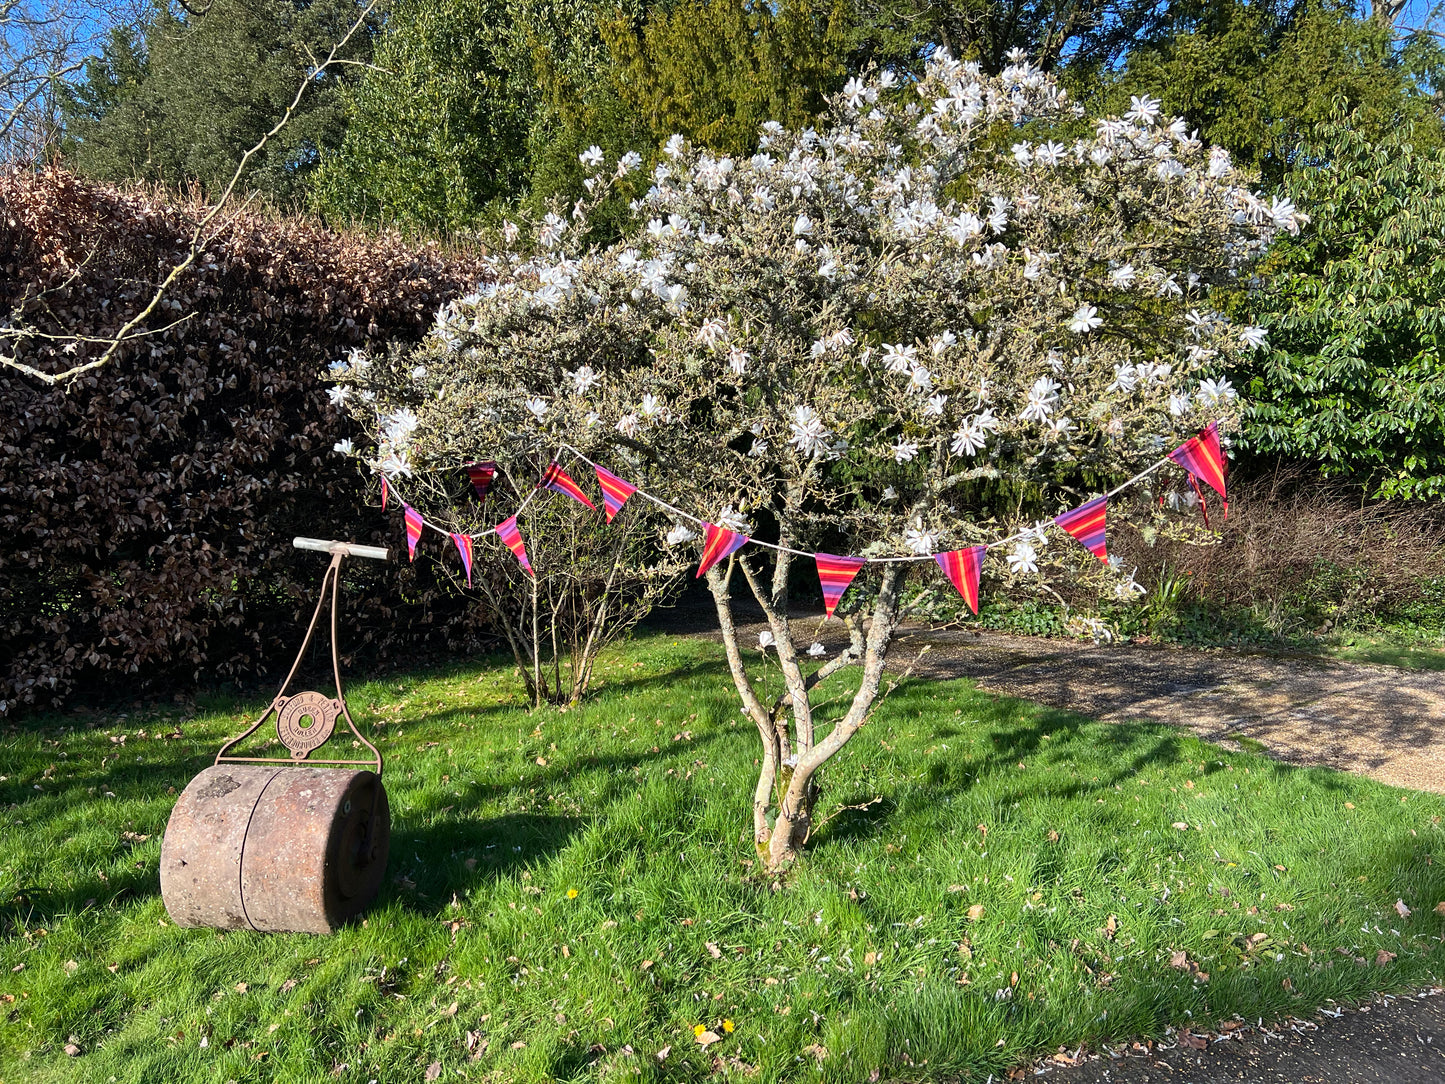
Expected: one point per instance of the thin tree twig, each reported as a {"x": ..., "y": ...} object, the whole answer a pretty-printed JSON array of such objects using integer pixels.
[{"x": 124, "y": 335}]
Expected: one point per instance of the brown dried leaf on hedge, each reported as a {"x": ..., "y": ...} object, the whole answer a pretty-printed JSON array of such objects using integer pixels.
[{"x": 146, "y": 512}]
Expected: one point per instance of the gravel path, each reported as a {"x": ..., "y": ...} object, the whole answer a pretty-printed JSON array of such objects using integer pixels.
[{"x": 1381, "y": 721}]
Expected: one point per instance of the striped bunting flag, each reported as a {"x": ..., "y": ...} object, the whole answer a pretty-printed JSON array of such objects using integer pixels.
[
  {"x": 1086, "y": 523},
  {"x": 835, "y": 574},
  {"x": 1201, "y": 456},
  {"x": 719, "y": 543},
  {"x": 384, "y": 490},
  {"x": 614, "y": 491},
  {"x": 508, "y": 533},
  {"x": 481, "y": 475},
  {"x": 464, "y": 547},
  {"x": 962, "y": 569},
  {"x": 413, "y": 528},
  {"x": 557, "y": 480}
]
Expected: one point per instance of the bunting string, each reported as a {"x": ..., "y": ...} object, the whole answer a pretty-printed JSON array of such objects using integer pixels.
[{"x": 1200, "y": 456}]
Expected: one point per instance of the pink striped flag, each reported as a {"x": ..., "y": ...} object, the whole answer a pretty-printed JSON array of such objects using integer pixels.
[
  {"x": 835, "y": 574},
  {"x": 413, "y": 528},
  {"x": 1086, "y": 523},
  {"x": 557, "y": 480},
  {"x": 718, "y": 543},
  {"x": 962, "y": 569},
  {"x": 384, "y": 489},
  {"x": 464, "y": 547},
  {"x": 508, "y": 533},
  {"x": 1201, "y": 456},
  {"x": 614, "y": 491},
  {"x": 481, "y": 475}
]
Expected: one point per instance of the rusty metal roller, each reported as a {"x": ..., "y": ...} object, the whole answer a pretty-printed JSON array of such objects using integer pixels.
[
  {"x": 271, "y": 844},
  {"x": 254, "y": 847}
]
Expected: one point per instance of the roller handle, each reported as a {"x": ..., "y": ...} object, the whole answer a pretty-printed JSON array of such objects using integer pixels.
[{"x": 351, "y": 549}]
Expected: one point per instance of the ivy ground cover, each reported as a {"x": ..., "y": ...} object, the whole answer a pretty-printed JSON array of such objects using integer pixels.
[{"x": 573, "y": 896}]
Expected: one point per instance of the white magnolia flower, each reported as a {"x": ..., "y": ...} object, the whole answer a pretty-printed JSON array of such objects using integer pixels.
[
  {"x": 939, "y": 344},
  {"x": 920, "y": 379},
  {"x": 1126, "y": 377},
  {"x": 934, "y": 405},
  {"x": 396, "y": 463},
  {"x": 765, "y": 640},
  {"x": 591, "y": 157},
  {"x": 674, "y": 146},
  {"x": 855, "y": 92},
  {"x": 1143, "y": 109},
  {"x": 338, "y": 395},
  {"x": 1041, "y": 399},
  {"x": 398, "y": 426},
  {"x": 679, "y": 534},
  {"x": 630, "y": 162},
  {"x": 1253, "y": 337},
  {"x": 583, "y": 379},
  {"x": 1061, "y": 426},
  {"x": 904, "y": 450},
  {"x": 418, "y": 374},
  {"x": 1023, "y": 558},
  {"x": 1086, "y": 319},
  {"x": 651, "y": 408},
  {"x": 538, "y": 407},
  {"x": 810, "y": 435},
  {"x": 510, "y": 231},
  {"x": 1178, "y": 404},
  {"x": 1128, "y": 589},
  {"x": 969, "y": 439},
  {"x": 815, "y": 649},
  {"x": 899, "y": 357},
  {"x": 1023, "y": 154},
  {"x": 627, "y": 425},
  {"x": 738, "y": 359},
  {"x": 1123, "y": 276},
  {"x": 343, "y": 447},
  {"x": 713, "y": 333},
  {"x": 919, "y": 541},
  {"x": 1215, "y": 392},
  {"x": 889, "y": 494},
  {"x": 803, "y": 227},
  {"x": 733, "y": 520}
]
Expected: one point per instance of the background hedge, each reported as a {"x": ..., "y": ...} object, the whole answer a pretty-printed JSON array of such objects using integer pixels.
[{"x": 146, "y": 510}]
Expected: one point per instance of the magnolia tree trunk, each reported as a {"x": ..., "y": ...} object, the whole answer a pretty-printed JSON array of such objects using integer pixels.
[{"x": 792, "y": 753}]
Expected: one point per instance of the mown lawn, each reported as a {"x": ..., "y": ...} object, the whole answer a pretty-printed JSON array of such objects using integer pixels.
[{"x": 1021, "y": 885}]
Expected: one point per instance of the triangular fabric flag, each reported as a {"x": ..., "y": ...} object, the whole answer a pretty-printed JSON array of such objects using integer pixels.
[
  {"x": 464, "y": 547},
  {"x": 1086, "y": 523},
  {"x": 384, "y": 490},
  {"x": 1201, "y": 457},
  {"x": 413, "y": 528},
  {"x": 508, "y": 533},
  {"x": 718, "y": 543},
  {"x": 962, "y": 569},
  {"x": 614, "y": 491},
  {"x": 835, "y": 574},
  {"x": 481, "y": 475},
  {"x": 556, "y": 479}
]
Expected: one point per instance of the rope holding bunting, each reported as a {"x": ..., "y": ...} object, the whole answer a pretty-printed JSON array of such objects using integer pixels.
[
  {"x": 962, "y": 567},
  {"x": 835, "y": 574}
]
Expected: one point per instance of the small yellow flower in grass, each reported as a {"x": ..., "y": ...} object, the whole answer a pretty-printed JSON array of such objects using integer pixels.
[
  {"x": 699, "y": 1029},
  {"x": 728, "y": 1026},
  {"x": 571, "y": 893}
]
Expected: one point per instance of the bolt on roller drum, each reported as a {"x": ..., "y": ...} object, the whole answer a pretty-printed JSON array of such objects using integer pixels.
[{"x": 275, "y": 848}]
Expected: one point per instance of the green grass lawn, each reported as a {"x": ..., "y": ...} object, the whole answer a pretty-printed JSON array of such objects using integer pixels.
[{"x": 1021, "y": 884}]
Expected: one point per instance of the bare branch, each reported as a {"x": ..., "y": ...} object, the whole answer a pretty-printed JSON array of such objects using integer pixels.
[{"x": 127, "y": 333}]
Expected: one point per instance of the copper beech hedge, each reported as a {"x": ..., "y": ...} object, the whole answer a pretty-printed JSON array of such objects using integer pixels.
[{"x": 146, "y": 511}]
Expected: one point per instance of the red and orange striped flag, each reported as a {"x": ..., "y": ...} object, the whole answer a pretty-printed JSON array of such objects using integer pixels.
[
  {"x": 718, "y": 543},
  {"x": 558, "y": 481},
  {"x": 1086, "y": 523},
  {"x": 508, "y": 533},
  {"x": 962, "y": 569},
  {"x": 614, "y": 491},
  {"x": 413, "y": 528},
  {"x": 835, "y": 574}
]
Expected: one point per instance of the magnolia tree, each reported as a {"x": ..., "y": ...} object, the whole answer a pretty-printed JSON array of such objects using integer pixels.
[{"x": 953, "y": 299}]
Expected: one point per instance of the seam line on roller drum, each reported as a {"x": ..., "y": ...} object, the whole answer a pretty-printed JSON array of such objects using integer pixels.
[{"x": 241, "y": 858}]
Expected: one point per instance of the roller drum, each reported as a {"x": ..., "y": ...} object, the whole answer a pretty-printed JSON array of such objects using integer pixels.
[{"x": 275, "y": 848}]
